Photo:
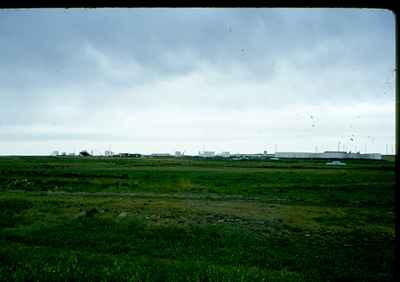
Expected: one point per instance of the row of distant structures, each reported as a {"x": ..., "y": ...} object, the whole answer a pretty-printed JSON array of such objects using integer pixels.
[
  {"x": 328, "y": 155},
  {"x": 228, "y": 155},
  {"x": 297, "y": 155}
]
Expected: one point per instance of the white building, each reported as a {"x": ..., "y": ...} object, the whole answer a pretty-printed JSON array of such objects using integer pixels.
[
  {"x": 332, "y": 155},
  {"x": 327, "y": 155},
  {"x": 295, "y": 155},
  {"x": 225, "y": 154},
  {"x": 108, "y": 153},
  {"x": 207, "y": 154},
  {"x": 161, "y": 155}
]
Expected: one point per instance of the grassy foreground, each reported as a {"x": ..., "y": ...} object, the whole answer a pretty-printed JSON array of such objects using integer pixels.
[{"x": 195, "y": 220}]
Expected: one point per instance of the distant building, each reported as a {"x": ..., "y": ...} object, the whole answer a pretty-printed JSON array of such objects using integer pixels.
[
  {"x": 225, "y": 154},
  {"x": 250, "y": 156},
  {"x": 161, "y": 155},
  {"x": 374, "y": 156},
  {"x": 295, "y": 155},
  {"x": 207, "y": 154},
  {"x": 256, "y": 156},
  {"x": 108, "y": 153},
  {"x": 327, "y": 155},
  {"x": 333, "y": 155},
  {"x": 178, "y": 154},
  {"x": 127, "y": 155}
]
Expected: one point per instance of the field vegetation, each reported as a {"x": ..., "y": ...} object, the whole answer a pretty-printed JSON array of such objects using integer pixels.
[{"x": 187, "y": 219}]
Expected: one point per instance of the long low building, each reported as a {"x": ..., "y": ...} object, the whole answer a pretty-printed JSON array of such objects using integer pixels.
[
  {"x": 207, "y": 154},
  {"x": 327, "y": 155}
]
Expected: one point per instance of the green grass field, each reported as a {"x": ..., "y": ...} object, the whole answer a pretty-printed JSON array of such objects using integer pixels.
[{"x": 187, "y": 219}]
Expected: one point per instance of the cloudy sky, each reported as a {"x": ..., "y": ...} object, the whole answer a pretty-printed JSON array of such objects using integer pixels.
[{"x": 161, "y": 80}]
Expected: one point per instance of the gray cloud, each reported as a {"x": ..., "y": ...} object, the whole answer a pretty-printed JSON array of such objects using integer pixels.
[
  {"x": 253, "y": 38},
  {"x": 94, "y": 69}
]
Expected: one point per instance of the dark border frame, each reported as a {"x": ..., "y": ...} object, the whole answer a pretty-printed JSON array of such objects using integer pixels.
[
  {"x": 377, "y": 4},
  {"x": 382, "y": 4}
]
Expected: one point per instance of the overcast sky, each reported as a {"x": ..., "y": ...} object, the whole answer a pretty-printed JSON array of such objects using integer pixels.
[{"x": 162, "y": 80}]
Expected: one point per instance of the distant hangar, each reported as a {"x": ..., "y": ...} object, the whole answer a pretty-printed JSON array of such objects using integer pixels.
[{"x": 327, "y": 155}]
